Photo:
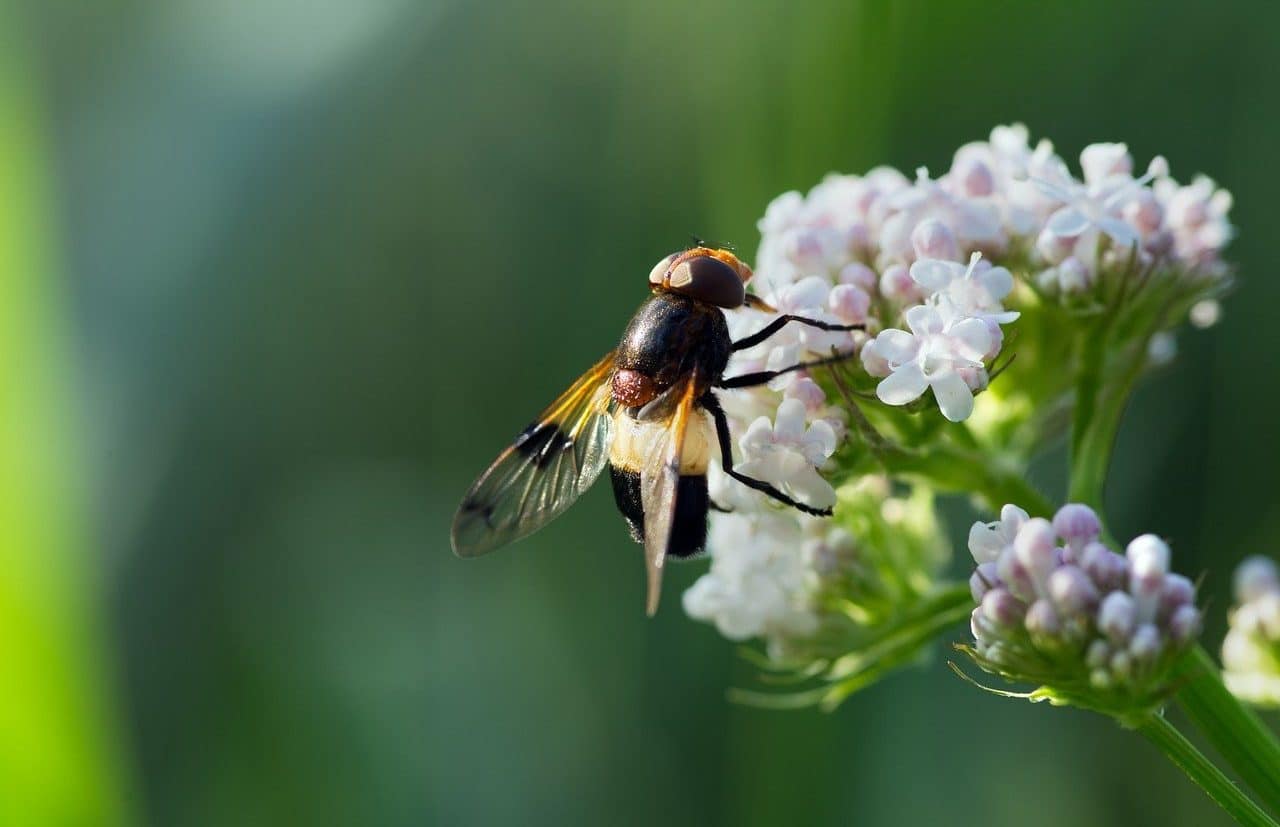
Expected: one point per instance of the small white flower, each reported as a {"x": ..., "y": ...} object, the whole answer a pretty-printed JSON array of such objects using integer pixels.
[
  {"x": 1069, "y": 276},
  {"x": 1205, "y": 314},
  {"x": 929, "y": 357},
  {"x": 970, "y": 222},
  {"x": 1196, "y": 215},
  {"x": 1251, "y": 649},
  {"x": 1101, "y": 161},
  {"x": 757, "y": 582},
  {"x": 788, "y": 454},
  {"x": 1095, "y": 204},
  {"x": 987, "y": 541},
  {"x": 961, "y": 291}
]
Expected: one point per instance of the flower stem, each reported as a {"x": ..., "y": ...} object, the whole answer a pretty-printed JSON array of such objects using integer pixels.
[
  {"x": 1199, "y": 769},
  {"x": 1235, "y": 731},
  {"x": 1097, "y": 420}
]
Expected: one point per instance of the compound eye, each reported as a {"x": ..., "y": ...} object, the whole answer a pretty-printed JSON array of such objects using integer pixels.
[
  {"x": 710, "y": 280},
  {"x": 659, "y": 270}
]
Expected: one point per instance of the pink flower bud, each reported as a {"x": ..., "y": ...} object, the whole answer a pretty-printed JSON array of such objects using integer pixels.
[
  {"x": 897, "y": 285},
  {"x": 1144, "y": 212},
  {"x": 1106, "y": 568},
  {"x": 1099, "y": 161},
  {"x": 1015, "y": 577},
  {"x": 859, "y": 275},
  {"x": 804, "y": 247},
  {"x": 974, "y": 178},
  {"x": 933, "y": 239},
  {"x": 856, "y": 238},
  {"x": 1034, "y": 547},
  {"x": 1255, "y": 577},
  {"x": 982, "y": 580},
  {"x": 808, "y": 392},
  {"x": 848, "y": 302},
  {"x": 1175, "y": 592},
  {"x": 875, "y": 364},
  {"x": 1077, "y": 524},
  {"x": 1184, "y": 625},
  {"x": 1148, "y": 563},
  {"x": 1145, "y": 644},
  {"x": 1071, "y": 590},
  {"x": 976, "y": 378},
  {"x": 1117, "y": 616},
  {"x": 1002, "y": 608},
  {"x": 1041, "y": 619}
]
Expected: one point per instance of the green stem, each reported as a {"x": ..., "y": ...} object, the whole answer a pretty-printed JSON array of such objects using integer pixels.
[
  {"x": 1093, "y": 450},
  {"x": 1090, "y": 453},
  {"x": 1199, "y": 769},
  {"x": 1235, "y": 731}
]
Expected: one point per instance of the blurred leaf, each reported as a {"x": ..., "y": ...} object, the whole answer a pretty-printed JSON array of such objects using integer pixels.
[{"x": 59, "y": 762}]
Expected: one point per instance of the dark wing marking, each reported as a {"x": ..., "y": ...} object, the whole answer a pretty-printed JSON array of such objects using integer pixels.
[
  {"x": 660, "y": 479},
  {"x": 543, "y": 472}
]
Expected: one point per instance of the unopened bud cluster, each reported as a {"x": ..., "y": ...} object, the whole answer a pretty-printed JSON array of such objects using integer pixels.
[
  {"x": 1251, "y": 650},
  {"x": 1058, "y": 608}
]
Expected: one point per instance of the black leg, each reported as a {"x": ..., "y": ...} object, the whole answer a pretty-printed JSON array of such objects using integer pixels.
[
  {"x": 748, "y": 380},
  {"x": 778, "y": 323},
  {"x": 712, "y": 404}
]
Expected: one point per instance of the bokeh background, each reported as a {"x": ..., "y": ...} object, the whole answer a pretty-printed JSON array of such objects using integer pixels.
[{"x": 277, "y": 279}]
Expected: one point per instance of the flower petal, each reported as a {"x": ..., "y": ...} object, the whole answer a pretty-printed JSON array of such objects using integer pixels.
[
  {"x": 934, "y": 274},
  {"x": 813, "y": 489},
  {"x": 1120, "y": 231},
  {"x": 1067, "y": 222},
  {"x": 759, "y": 433},
  {"x": 972, "y": 339},
  {"x": 923, "y": 319},
  {"x": 896, "y": 346},
  {"x": 998, "y": 281},
  {"x": 954, "y": 397},
  {"x": 903, "y": 385},
  {"x": 819, "y": 441},
  {"x": 810, "y": 291},
  {"x": 788, "y": 423}
]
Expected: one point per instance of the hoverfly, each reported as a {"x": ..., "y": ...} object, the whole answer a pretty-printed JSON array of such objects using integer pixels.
[{"x": 642, "y": 410}]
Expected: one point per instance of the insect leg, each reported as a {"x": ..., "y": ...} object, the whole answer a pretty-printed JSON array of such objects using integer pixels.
[
  {"x": 780, "y": 322},
  {"x": 712, "y": 404},
  {"x": 748, "y": 380}
]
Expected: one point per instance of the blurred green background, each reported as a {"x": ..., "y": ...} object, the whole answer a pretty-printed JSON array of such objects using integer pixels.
[{"x": 278, "y": 278}]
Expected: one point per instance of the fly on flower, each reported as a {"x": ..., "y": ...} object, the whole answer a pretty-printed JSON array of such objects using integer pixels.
[{"x": 649, "y": 411}]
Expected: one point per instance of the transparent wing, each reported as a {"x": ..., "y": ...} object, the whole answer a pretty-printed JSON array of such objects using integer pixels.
[
  {"x": 660, "y": 478},
  {"x": 544, "y": 471}
]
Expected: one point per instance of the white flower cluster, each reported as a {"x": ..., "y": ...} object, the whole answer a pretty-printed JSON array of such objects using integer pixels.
[
  {"x": 1056, "y": 605},
  {"x": 775, "y": 573},
  {"x": 757, "y": 585},
  {"x": 1251, "y": 650}
]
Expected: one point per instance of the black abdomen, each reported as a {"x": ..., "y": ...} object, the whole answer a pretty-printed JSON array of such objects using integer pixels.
[{"x": 688, "y": 530}]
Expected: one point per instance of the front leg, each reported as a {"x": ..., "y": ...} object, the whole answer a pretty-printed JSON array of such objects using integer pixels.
[
  {"x": 712, "y": 404},
  {"x": 780, "y": 322},
  {"x": 748, "y": 380}
]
